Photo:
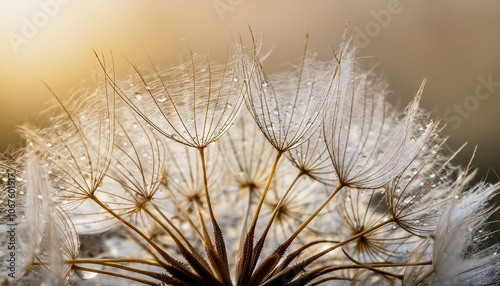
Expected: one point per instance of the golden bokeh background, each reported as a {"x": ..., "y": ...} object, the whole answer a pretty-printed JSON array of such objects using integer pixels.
[{"x": 454, "y": 44}]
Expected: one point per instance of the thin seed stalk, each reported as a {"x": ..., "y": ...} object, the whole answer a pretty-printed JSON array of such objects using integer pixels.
[
  {"x": 247, "y": 258},
  {"x": 278, "y": 206},
  {"x": 132, "y": 227},
  {"x": 290, "y": 272},
  {"x": 114, "y": 274},
  {"x": 264, "y": 192},
  {"x": 287, "y": 243},
  {"x": 222, "y": 263}
]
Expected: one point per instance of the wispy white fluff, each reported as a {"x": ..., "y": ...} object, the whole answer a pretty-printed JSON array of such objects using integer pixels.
[
  {"x": 419, "y": 195},
  {"x": 43, "y": 231},
  {"x": 368, "y": 144},
  {"x": 460, "y": 253},
  {"x": 193, "y": 103},
  {"x": 288, "y": 105}
]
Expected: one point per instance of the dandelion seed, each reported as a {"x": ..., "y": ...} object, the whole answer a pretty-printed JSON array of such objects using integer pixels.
[
  {"x": 359, "y": 121},
  {"x": 456, "y": 259},
  {"x": 284, "y": 106},
  {"x": 186, "y": 103}
]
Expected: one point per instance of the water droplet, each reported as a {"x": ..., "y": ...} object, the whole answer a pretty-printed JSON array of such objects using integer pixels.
[
  {"x": 408, "y": 200},
  {"x": 137, "y": 95},
  {"x": 82, "y": 157},
  {"x": 235, "y": 79},
  {"x": 86, "y": 275},
  {"x": 413, "y": 171},
  {"x": 49, "y": 145},
  {"x": 264, "y": 83},
  {"x": 161, "y": 98}
]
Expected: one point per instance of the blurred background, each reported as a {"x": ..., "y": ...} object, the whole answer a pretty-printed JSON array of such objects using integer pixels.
[{"x": 454, "y": 44}]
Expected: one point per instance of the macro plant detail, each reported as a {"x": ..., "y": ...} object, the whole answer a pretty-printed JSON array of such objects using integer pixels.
[{"x": 220, "y": 173}]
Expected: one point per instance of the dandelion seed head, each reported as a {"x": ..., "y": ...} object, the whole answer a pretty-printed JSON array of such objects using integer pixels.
[{"x": 221, "y": 173}]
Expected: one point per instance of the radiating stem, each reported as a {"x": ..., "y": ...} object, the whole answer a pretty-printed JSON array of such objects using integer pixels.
[
  {"x": 164, "y": 227},
  {"x": 76, "y": 267},
  {"x": 174, "y": 263},
  {"x": 184, "y": 214},
  {"x": 118, "y": 266},
  {"x": 352, "y": 238},
  {"x": 118, "y": 260},
  {"x": 278, "y": 206},
  {"x": 264, "y": 192},
  {"x": 268, "y": 265},
  {"x": 327, "y": 269},
  {"x": 290, "y": 272},
  {"x": 223, "y": 265},
  {"x": 305, "y": 223},
  {"x": 205, "y": 187},
  {"x": 132, "y": 227},
  {"x": 247, "y": 215},
  {"x": 247, "y": 261}
]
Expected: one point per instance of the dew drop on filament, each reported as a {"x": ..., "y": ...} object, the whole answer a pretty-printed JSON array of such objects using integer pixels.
[
  {"x": 86, "y": 275},
  {"x": 137, "y": 95},
  {"x": 161, "y": 98}
]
